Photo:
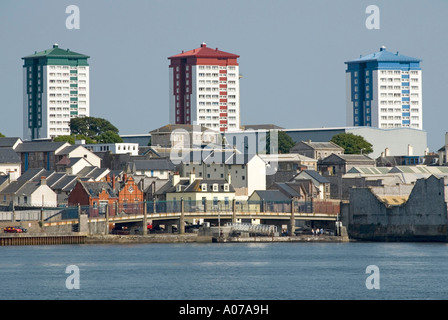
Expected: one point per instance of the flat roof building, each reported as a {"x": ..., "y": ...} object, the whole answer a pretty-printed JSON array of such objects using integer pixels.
[
  {"x": 56, "y": 89},
  {"x": 384, "y": 90}
]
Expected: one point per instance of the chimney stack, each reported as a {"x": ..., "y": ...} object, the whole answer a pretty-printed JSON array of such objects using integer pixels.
[
  {"x": 176, "y": 178},
  {"x": 192, "y": 176}
]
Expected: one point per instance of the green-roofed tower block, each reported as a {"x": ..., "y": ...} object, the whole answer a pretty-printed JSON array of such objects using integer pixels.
[{"x": 56, "y": 88}]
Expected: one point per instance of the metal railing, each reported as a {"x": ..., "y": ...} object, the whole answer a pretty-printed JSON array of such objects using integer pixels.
[{"x": 171, "y": 206}]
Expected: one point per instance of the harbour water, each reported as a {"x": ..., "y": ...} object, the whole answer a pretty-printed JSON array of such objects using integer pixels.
[{"x": 227, "y": 271}]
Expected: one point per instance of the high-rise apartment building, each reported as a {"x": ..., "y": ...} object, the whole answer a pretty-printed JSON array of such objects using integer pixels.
[
  {"x": 205, "y": 89},
  {"x": 56, "y": 89},
  {"x": 384, "y": 90}
]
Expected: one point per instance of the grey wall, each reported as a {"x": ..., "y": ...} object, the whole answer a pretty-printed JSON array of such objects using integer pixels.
[{"x": 422, "y": 218}]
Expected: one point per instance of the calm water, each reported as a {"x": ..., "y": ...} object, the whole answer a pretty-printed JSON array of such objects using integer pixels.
[{"x": 285, "y": 271}]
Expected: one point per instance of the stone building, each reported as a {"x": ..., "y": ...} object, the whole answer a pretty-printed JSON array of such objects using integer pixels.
[{"x": 404, "y": 212}]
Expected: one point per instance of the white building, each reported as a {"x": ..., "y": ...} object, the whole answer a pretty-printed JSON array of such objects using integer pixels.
[
  {"x": 56, "y": 89},
  {"x": 204, "y": 89},
  {"x": 384, "y": 90},
  {"x": 114, "y": 148},
  {"x": 245, "y": 173}
]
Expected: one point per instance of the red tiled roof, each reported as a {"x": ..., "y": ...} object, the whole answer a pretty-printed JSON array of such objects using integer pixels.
[{"x": 205, "y": 52}]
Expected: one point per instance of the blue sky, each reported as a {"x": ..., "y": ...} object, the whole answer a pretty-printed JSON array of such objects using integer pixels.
[{"x": 292, "y": 54}]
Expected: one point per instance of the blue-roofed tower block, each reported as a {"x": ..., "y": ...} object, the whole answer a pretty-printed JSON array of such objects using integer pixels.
[{"x": 384, "y": 90}]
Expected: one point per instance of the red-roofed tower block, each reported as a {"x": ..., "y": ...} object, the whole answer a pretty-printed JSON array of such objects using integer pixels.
[{"x": 205, "y": 89}]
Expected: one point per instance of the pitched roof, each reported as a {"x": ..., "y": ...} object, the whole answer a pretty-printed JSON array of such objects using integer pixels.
[
  {"x": 348, "y": 158},
  {"x": 271, "y": 195},
  {"x": 94, "y": 188},
  {"x": 56, "y": 52},
  {"x": 9, "y": 141},
  {"x": 313, "y": 174},
  {"x": 92, "y": 172},
  {"x": 65, "y": 183},
  {"x": 370, "y": 170},
  {"x": 319, "y": 145},
  {"x": 384, "y": 56},
  {"x": 204, "y": 52},
  {"x": 14, "y": 186},
  {"x": 153, "y": 164},
  {"x": 40, "y": 146},
  {"x": 8, "y": 155},
  {"x": 288, "y": 189},
  {"x": 34, "y": 174},
  {"x": 69, "y": 149}
]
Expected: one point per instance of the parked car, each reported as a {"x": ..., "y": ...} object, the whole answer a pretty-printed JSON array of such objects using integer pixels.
[
  {"x": 22, "y": 229},
  {"x": 16, "y": 229},
  {"x": 9, "y": 230}
]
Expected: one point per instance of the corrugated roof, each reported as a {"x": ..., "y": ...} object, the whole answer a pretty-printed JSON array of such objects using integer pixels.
[{"x": 393, "y": 200}]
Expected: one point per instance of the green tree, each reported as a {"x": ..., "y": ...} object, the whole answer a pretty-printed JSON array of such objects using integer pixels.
[
  {"x": 109, "y": 137},
  {"x": 97, "y": 129},
  {"x": 72, "y": 138},
  {"x": 352, "y": 144},
  {"x": 2, "y": 135},
  {"x": 284, "y": 142}
]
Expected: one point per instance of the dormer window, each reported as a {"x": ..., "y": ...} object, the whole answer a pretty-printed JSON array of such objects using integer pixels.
[
  {"x": 215, "y": 187},
  {"x": 204, "y": 187},
  {"x": 226, "y": 187}
]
